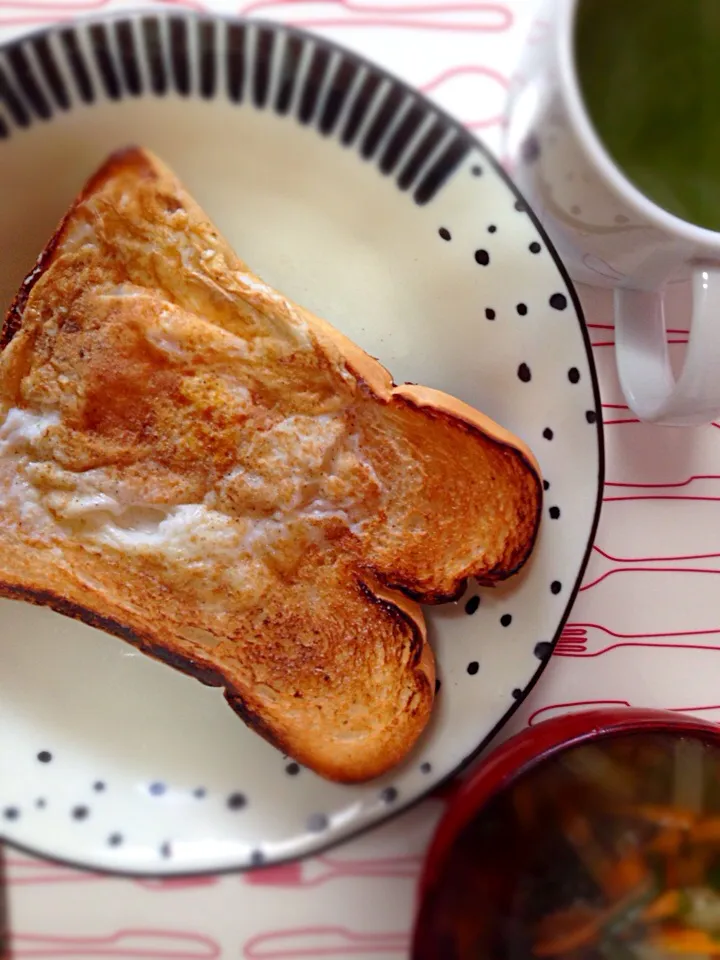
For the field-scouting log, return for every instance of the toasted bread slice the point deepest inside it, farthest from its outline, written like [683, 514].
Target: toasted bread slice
[192, 462]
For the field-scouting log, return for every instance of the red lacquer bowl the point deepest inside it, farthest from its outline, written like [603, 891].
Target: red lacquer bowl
[506, 765]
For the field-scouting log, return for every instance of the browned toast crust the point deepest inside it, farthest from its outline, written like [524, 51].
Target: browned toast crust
[171, 386]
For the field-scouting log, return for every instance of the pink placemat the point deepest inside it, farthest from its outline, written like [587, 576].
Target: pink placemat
[645, 630]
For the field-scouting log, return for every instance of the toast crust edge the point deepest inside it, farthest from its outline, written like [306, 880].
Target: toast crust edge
[12, 321]
[423, 665]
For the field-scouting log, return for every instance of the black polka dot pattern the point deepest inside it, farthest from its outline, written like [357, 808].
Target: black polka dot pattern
[476, 171]
[574, 375]
[257, 858]
[546, 484]
[425, 767]
[543, 650]
[492, 228]
[530, 149]
[548, 434]
[482, 257]
[534, 247]
[41, 803]
[517, 693]
[317, 822]
[11, 813]
[524, 373]
[489, 313]
[558, 301]
[44, 756]
[506, 619]
[438, 684]
[521, 309]
[445, 233]
[199, 793]
[80, 812]
[472, 605]
[166, 850]
[389, 795]
[591, 416]
[520, 206]
[115, 839]
[555, 587]
[99, 786]
[236, 801]
[473, 667]
[554, 513]
[292, 769]
[157, 789]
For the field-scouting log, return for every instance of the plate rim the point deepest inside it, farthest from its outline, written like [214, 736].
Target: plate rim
[474, 142]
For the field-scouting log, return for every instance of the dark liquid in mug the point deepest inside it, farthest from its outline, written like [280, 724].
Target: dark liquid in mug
[649, 73]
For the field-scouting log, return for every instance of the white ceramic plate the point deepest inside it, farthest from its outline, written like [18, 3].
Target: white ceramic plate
[356, 197]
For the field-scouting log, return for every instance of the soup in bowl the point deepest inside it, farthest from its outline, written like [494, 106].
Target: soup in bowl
[594, 836]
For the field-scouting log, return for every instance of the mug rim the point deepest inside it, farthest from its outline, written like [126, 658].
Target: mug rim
[593, 145]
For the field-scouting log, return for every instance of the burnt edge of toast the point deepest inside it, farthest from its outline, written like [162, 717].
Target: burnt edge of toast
[12, 322]
[184, 664]
[485, 578]
[257, 723]
[68, 608]
[190, 667]
[417, 640]
[187, 665]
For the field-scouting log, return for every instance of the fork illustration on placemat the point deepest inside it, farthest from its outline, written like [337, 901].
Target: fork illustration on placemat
[709, 712]
[593, 640]
[333, 943]
[313, 873]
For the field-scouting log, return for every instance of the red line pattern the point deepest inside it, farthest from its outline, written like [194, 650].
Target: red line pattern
[447, 76]
[36, 12]
[611, 343]
[324, 869]
[678, 559]
[659, 496]
[635, 570]
[664, 486]
[594, 640]
[544, 713]
[458, 17]
[332, 942]
[143, 944]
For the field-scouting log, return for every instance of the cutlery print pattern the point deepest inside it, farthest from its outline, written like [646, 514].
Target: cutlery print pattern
[145, 944]
[332, 943]
[644, 631]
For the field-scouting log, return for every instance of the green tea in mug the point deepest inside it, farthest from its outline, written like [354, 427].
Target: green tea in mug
[649, 73]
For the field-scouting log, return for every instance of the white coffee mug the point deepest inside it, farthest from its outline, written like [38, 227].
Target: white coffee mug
[610, 234]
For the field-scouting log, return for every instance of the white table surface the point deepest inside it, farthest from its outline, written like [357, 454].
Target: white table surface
[644, 631]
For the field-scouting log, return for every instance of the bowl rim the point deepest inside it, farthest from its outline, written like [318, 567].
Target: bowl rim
[530, 748]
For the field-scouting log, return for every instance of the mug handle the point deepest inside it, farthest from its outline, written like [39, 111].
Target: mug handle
[643, 360]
